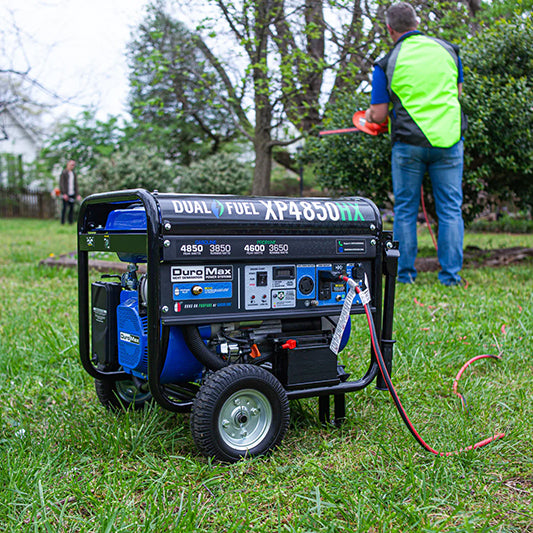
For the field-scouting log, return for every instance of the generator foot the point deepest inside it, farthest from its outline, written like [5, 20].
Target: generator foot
[323, 409]
[324, 413]
[340, 409]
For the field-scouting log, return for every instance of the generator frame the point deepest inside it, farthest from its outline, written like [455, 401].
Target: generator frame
[151, 244]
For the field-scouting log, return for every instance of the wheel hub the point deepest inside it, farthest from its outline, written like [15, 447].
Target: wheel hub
[244, 419]
[128, 392]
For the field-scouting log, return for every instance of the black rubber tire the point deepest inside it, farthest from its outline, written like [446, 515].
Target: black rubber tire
[246, 398]
[121, 395]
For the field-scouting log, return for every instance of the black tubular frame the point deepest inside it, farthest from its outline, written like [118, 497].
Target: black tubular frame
[156, 354]
[151, 242]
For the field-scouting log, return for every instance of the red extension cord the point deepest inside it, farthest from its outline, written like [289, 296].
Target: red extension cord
[427, 218]
[394, 395]
[465, 366]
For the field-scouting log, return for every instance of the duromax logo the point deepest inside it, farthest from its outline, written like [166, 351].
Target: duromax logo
[129, 337]
[217, 208]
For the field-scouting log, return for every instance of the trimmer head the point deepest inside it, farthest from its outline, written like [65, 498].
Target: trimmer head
[360, 122]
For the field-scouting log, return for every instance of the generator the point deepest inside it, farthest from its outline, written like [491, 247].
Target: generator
[228, 307]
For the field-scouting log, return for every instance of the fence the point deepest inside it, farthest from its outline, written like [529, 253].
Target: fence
[27, 203]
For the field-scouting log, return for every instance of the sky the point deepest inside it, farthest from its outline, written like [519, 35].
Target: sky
[74, 48]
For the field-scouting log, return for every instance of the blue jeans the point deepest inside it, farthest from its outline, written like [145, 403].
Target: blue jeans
[445, 168]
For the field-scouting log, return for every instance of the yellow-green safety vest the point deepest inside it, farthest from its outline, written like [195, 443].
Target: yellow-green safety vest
[422, 77]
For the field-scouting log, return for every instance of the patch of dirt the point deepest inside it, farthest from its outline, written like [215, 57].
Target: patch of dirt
[475, 257]
[70, 261]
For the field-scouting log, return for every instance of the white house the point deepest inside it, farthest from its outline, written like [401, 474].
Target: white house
[15, 137]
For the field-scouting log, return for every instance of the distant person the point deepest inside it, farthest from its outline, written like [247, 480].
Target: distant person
[68, 188]
[418, 84]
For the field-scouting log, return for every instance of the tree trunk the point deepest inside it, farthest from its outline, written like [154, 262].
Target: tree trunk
[263, 107]
[263, 152]
[262, 169]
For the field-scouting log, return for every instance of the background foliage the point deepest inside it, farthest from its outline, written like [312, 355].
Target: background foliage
[353, 163]
[114, 156]
[188, 101]
[218, 174]
[498, 101]
[85, 139]
[176, 97]
[130, 168]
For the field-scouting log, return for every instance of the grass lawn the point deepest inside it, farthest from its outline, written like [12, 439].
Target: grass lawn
[67, 465]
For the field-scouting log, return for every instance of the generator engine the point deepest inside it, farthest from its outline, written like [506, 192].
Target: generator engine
[227, 307]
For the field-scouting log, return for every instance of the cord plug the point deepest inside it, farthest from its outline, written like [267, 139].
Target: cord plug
[328, 275]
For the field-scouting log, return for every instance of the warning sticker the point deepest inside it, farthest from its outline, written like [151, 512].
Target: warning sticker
[283, 298]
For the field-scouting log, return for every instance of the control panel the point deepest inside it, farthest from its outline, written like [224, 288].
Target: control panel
[248, 283]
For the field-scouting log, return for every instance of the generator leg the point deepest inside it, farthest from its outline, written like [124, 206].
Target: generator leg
[323, 409]
[340, 409]
[386, 350]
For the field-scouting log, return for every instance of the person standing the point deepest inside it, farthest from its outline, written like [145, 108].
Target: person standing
[68, 188]
[418, 84]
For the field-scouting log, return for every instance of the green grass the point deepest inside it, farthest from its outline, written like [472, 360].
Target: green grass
[67, 465]
[507, 223]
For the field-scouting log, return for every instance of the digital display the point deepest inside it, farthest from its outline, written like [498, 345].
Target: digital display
[283, 272]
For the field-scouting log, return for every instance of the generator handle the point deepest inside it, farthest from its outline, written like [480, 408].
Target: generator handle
[83, 285]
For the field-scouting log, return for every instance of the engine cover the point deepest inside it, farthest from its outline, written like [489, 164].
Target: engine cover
[132, 334]
[180, 365]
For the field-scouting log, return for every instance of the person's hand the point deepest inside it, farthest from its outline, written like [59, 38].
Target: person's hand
[65, 197]
[78, 198]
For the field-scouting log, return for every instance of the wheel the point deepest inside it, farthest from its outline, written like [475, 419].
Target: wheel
[121, 395]
[240, 410]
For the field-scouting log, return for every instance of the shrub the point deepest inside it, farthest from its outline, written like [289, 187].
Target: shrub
[504, 224]
[129, 168]
[218, 174]
[350, 163]
[498, 101]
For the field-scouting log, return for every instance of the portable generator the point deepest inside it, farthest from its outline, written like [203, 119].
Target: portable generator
[228, 307]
